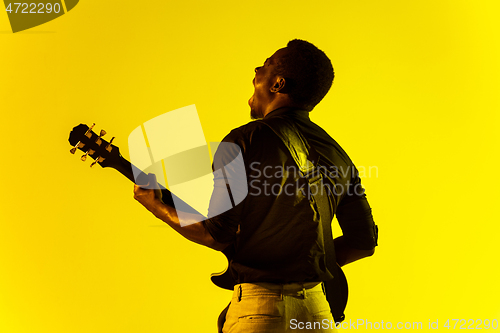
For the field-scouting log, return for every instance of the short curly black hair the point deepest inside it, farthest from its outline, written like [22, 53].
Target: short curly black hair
[308, 73]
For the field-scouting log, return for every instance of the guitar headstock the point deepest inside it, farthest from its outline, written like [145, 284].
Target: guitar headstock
[104, 153]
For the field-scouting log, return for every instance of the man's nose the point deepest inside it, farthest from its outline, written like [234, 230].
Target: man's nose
[257, 68]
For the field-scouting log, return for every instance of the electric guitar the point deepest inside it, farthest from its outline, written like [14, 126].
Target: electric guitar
[108, 155]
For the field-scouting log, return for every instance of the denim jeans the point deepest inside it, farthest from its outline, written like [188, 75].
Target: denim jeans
[273, 308]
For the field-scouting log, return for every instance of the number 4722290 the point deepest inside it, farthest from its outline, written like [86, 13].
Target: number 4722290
[33, 8]
[471, 324]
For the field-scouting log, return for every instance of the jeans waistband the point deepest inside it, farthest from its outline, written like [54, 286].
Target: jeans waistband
[272, 289]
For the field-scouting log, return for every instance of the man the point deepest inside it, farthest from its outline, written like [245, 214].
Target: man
[278, 251]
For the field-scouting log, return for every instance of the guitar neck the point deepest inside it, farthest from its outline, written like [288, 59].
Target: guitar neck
[129, 170]
[107, 155]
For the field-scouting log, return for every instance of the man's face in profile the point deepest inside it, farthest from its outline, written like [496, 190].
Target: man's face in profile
[265, 78]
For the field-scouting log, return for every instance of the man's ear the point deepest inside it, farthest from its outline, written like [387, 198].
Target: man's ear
[279, 85]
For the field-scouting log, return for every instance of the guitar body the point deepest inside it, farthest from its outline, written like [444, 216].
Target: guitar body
[107, 155]
[224, 279]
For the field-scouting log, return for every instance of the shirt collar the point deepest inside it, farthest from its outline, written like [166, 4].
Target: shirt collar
[289, 111]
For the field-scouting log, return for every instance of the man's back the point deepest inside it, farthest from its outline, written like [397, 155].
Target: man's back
[275, 228]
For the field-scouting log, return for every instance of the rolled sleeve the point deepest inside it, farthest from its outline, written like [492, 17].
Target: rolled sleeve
[230, 190]
[356, 221]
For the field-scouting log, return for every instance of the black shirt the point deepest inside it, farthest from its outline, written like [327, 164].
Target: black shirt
[274, 226]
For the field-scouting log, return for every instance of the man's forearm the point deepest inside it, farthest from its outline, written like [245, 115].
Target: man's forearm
[192, 230]
[345, 254]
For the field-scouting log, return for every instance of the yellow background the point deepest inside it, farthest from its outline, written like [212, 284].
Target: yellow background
[416, 95]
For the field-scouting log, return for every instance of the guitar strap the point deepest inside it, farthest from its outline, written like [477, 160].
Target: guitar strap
[307, 159]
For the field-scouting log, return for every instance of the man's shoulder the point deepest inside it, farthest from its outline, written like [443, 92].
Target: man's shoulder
[249, 133]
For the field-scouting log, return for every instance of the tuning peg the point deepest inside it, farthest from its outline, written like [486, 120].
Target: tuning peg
[108, 147]
[99, 159]
[78, 145]
[98, 141]
[89, 152]
[88, 134]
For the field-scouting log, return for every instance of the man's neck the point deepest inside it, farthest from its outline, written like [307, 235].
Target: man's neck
[282, 110]
[279, 103]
